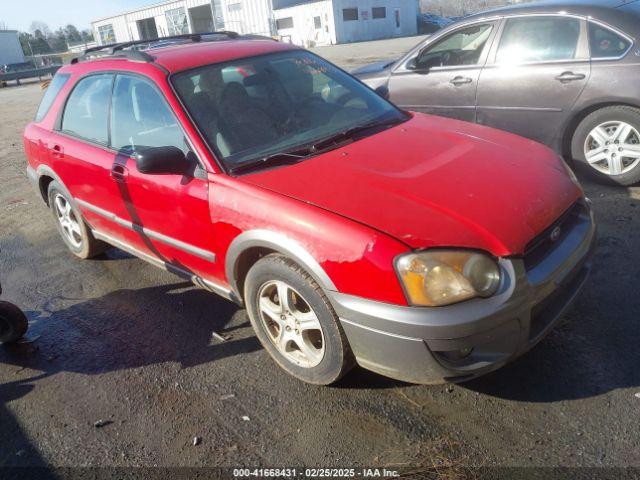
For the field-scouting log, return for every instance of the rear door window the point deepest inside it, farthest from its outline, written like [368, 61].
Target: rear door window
[51, 94]
[539, 39]
[86, 114]
[605, 43]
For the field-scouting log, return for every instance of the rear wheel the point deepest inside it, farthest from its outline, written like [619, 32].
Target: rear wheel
[71, 226]
[295, 322]
[13, 323]
[607, 142]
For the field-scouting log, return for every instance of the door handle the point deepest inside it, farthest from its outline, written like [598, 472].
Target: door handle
[119, 173]
[56, 150]
[460, 81]
[567, 77]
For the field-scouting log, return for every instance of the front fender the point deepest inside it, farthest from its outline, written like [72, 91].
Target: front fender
[279, 243]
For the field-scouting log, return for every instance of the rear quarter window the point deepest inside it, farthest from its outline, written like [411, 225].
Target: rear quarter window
[51, 94]
[605, 43]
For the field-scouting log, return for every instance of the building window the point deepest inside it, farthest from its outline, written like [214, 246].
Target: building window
[106, 35]
[317, 23]
[379, 12]
[235, 7]
[177, 21]
[349, 14]
[284, 23]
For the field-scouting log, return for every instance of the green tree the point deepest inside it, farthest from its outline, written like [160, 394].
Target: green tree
[87, 35]
[58, 41]
[72, 34]
[39, 43]
[26, 40]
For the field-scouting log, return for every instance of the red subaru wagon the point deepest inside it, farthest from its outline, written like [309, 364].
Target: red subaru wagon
[422, 248]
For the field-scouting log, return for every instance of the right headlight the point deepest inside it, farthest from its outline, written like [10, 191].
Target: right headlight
[436, 278]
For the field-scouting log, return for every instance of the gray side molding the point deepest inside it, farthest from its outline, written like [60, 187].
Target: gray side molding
[279, 243]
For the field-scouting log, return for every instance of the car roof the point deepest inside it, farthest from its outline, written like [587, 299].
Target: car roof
[570, 6]
[192, 55]
[623, 14]
[188, 55]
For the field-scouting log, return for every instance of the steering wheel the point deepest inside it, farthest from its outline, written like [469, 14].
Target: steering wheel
[311, 100]
[346, 97]
[445, 58]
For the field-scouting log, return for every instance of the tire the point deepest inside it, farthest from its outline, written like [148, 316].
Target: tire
[81, 242]
[13, 323]
[609, 118]
[332, 357]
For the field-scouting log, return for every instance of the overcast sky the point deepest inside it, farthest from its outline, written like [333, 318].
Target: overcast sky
[18, 14]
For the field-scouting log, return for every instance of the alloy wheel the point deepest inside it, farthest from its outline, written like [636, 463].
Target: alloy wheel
[68, 221]
[613, 148]
[291, 324]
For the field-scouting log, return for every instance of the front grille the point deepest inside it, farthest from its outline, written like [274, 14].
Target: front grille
[541, 246]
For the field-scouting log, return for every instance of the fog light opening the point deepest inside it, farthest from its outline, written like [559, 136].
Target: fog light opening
[456, 355]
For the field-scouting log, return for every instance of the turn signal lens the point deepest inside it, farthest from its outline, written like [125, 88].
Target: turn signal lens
[442, 277]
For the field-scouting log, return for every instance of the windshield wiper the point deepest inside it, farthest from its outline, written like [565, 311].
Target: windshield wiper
[296, 155]
[349, 133]
[275, 159]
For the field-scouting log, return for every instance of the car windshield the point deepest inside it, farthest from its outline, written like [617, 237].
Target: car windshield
[259, 108]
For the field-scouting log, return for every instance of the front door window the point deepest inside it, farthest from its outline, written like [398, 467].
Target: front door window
[461, 48]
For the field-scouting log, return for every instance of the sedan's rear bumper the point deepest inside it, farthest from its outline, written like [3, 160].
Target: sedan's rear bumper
[431, 345]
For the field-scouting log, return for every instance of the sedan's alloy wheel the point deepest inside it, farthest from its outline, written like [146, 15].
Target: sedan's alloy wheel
[613, 148]
[68, 220]
[291, 324]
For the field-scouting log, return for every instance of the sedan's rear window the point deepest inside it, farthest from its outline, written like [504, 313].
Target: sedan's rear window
[50, 95]
[605, 43]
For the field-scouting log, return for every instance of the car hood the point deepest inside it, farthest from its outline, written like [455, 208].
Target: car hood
[434, 182]
[374, 67]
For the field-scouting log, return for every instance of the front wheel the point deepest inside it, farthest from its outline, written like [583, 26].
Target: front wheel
[608, 142]
[295, 322]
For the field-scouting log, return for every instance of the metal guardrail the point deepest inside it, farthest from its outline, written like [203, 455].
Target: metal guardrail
[24, 74]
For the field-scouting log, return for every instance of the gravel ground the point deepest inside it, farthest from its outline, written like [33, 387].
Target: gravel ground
[117, 342]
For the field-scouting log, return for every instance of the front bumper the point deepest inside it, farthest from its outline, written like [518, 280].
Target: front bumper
[422, 345]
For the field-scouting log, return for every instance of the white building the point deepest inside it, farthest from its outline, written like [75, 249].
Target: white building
[307, 23]
[155, 21]
[327, 22]
[10, 48]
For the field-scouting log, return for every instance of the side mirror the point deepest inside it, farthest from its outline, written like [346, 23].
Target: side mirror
[423, 64]
[161, 160]
[383, 91]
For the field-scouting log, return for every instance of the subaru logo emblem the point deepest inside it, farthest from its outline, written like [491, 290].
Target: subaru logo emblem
[555, 234]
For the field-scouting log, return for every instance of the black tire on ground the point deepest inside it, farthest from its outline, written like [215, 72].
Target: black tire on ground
[620, 113]
[337, 359]
[13, 323]
[89, 247]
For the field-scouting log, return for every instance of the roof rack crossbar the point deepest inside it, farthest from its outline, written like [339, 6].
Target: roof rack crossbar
[120, 49]
[194, 37]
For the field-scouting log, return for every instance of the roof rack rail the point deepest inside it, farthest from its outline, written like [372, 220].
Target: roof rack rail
[128, 50]
[133, 55]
